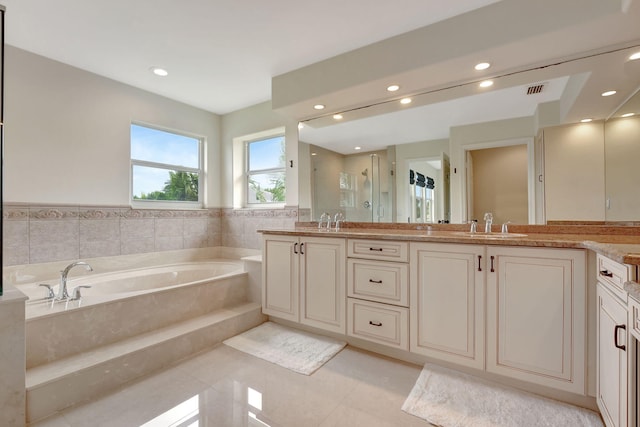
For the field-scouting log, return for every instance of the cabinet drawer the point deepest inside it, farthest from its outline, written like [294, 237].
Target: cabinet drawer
[634, 317]
[379, 323]
[387, 250]
[614, 275]
[378, 281]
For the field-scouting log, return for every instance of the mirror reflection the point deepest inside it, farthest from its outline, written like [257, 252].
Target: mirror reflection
[521, 149]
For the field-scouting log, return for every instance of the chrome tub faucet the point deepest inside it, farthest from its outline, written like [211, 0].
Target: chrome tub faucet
[63, 293]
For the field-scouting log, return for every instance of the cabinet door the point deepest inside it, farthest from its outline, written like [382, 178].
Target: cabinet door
[323, 283]
[280, 276]
[536, 315]
[612, 380]
[447, 297]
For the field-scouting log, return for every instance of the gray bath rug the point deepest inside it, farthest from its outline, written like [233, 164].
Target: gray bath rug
[449, 398]
[298, 351]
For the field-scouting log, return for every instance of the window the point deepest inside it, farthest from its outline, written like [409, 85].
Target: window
[265, 170]
[166, 168]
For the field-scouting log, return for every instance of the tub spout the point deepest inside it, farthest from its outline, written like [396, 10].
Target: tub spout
[63, 294]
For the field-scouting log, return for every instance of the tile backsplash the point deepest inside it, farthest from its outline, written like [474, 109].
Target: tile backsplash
[35, 234]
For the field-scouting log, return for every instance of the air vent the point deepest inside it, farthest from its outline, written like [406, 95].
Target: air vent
[533, 89]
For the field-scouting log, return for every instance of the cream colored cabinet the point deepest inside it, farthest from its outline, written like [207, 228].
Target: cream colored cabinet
[616, 323]
[378, 288]
[536, 315]
[304, 280]
[447, 302]
[611, 383]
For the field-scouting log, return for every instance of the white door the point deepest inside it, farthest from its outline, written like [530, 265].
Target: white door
[447, 300]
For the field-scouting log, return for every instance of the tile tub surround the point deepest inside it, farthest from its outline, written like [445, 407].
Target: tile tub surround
[35, 234]
[12, 357]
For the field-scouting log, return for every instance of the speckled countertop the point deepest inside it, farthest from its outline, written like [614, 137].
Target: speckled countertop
[620, 243]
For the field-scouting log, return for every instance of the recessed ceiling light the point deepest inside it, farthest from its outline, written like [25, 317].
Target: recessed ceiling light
[486, 83]
[635, 56]
[482, 66]
[628, 115]
[314, 154]
[609, 93]
[405, 101]
[393, 88]
[159, 71]
[337, 116]
[357, 148]
[586, 120]
[319, 107]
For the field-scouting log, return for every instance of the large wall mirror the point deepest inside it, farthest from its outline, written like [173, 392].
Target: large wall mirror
[518, 149]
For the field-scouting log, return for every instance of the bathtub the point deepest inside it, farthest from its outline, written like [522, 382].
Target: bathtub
[129, 296]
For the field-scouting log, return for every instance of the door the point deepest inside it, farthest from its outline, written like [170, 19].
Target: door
[323, 283]
[280, 273]
[447, 300]
[536, 315]
[611, 384]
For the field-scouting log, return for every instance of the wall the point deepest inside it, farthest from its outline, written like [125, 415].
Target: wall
[574, 172]
[67, 133]
[67, 166]
[622, 173]
[500, 184]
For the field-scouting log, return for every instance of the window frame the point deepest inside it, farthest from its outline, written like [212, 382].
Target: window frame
[249, 172]
[200, 170]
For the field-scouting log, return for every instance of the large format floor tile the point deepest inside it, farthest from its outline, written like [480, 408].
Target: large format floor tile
[227, 388]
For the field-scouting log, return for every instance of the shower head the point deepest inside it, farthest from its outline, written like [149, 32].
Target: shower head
[365, 172]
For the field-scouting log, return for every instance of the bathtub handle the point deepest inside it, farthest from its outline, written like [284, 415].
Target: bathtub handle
[50, 293]
[75, 295]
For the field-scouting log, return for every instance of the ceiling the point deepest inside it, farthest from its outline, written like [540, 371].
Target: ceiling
[225, 56]
[220, 55]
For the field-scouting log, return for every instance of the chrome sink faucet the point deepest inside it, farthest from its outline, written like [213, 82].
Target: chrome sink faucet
[63, 293]
[338, 219]
[488, 220]
[325, 217]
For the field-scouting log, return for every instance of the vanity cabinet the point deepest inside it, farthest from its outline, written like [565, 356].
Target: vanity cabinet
[304, 280]
[377, 290]
[536, 315]
[611, 383]
[447, 302]
[616, 323]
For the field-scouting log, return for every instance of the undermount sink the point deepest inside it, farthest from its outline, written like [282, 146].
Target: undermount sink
[490, 235]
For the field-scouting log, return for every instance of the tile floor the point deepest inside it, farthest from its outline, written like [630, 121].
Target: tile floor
[227, 388]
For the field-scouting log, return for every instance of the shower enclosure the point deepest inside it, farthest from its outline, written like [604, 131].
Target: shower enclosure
[358, 185]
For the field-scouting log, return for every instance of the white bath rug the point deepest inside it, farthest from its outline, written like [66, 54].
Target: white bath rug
[298, 351]
[448, 398]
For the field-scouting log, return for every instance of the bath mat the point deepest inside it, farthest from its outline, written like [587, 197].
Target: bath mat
[448, 398]
[299, 351]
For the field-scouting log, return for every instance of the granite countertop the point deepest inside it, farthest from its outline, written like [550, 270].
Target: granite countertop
[622, 244]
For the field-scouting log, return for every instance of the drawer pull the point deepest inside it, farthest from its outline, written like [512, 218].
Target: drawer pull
[376, 249]
[606, 273]
[295, 248]
[492, 269]
[479, 262]
[375, 281]
[615, 336]
[372, 323]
